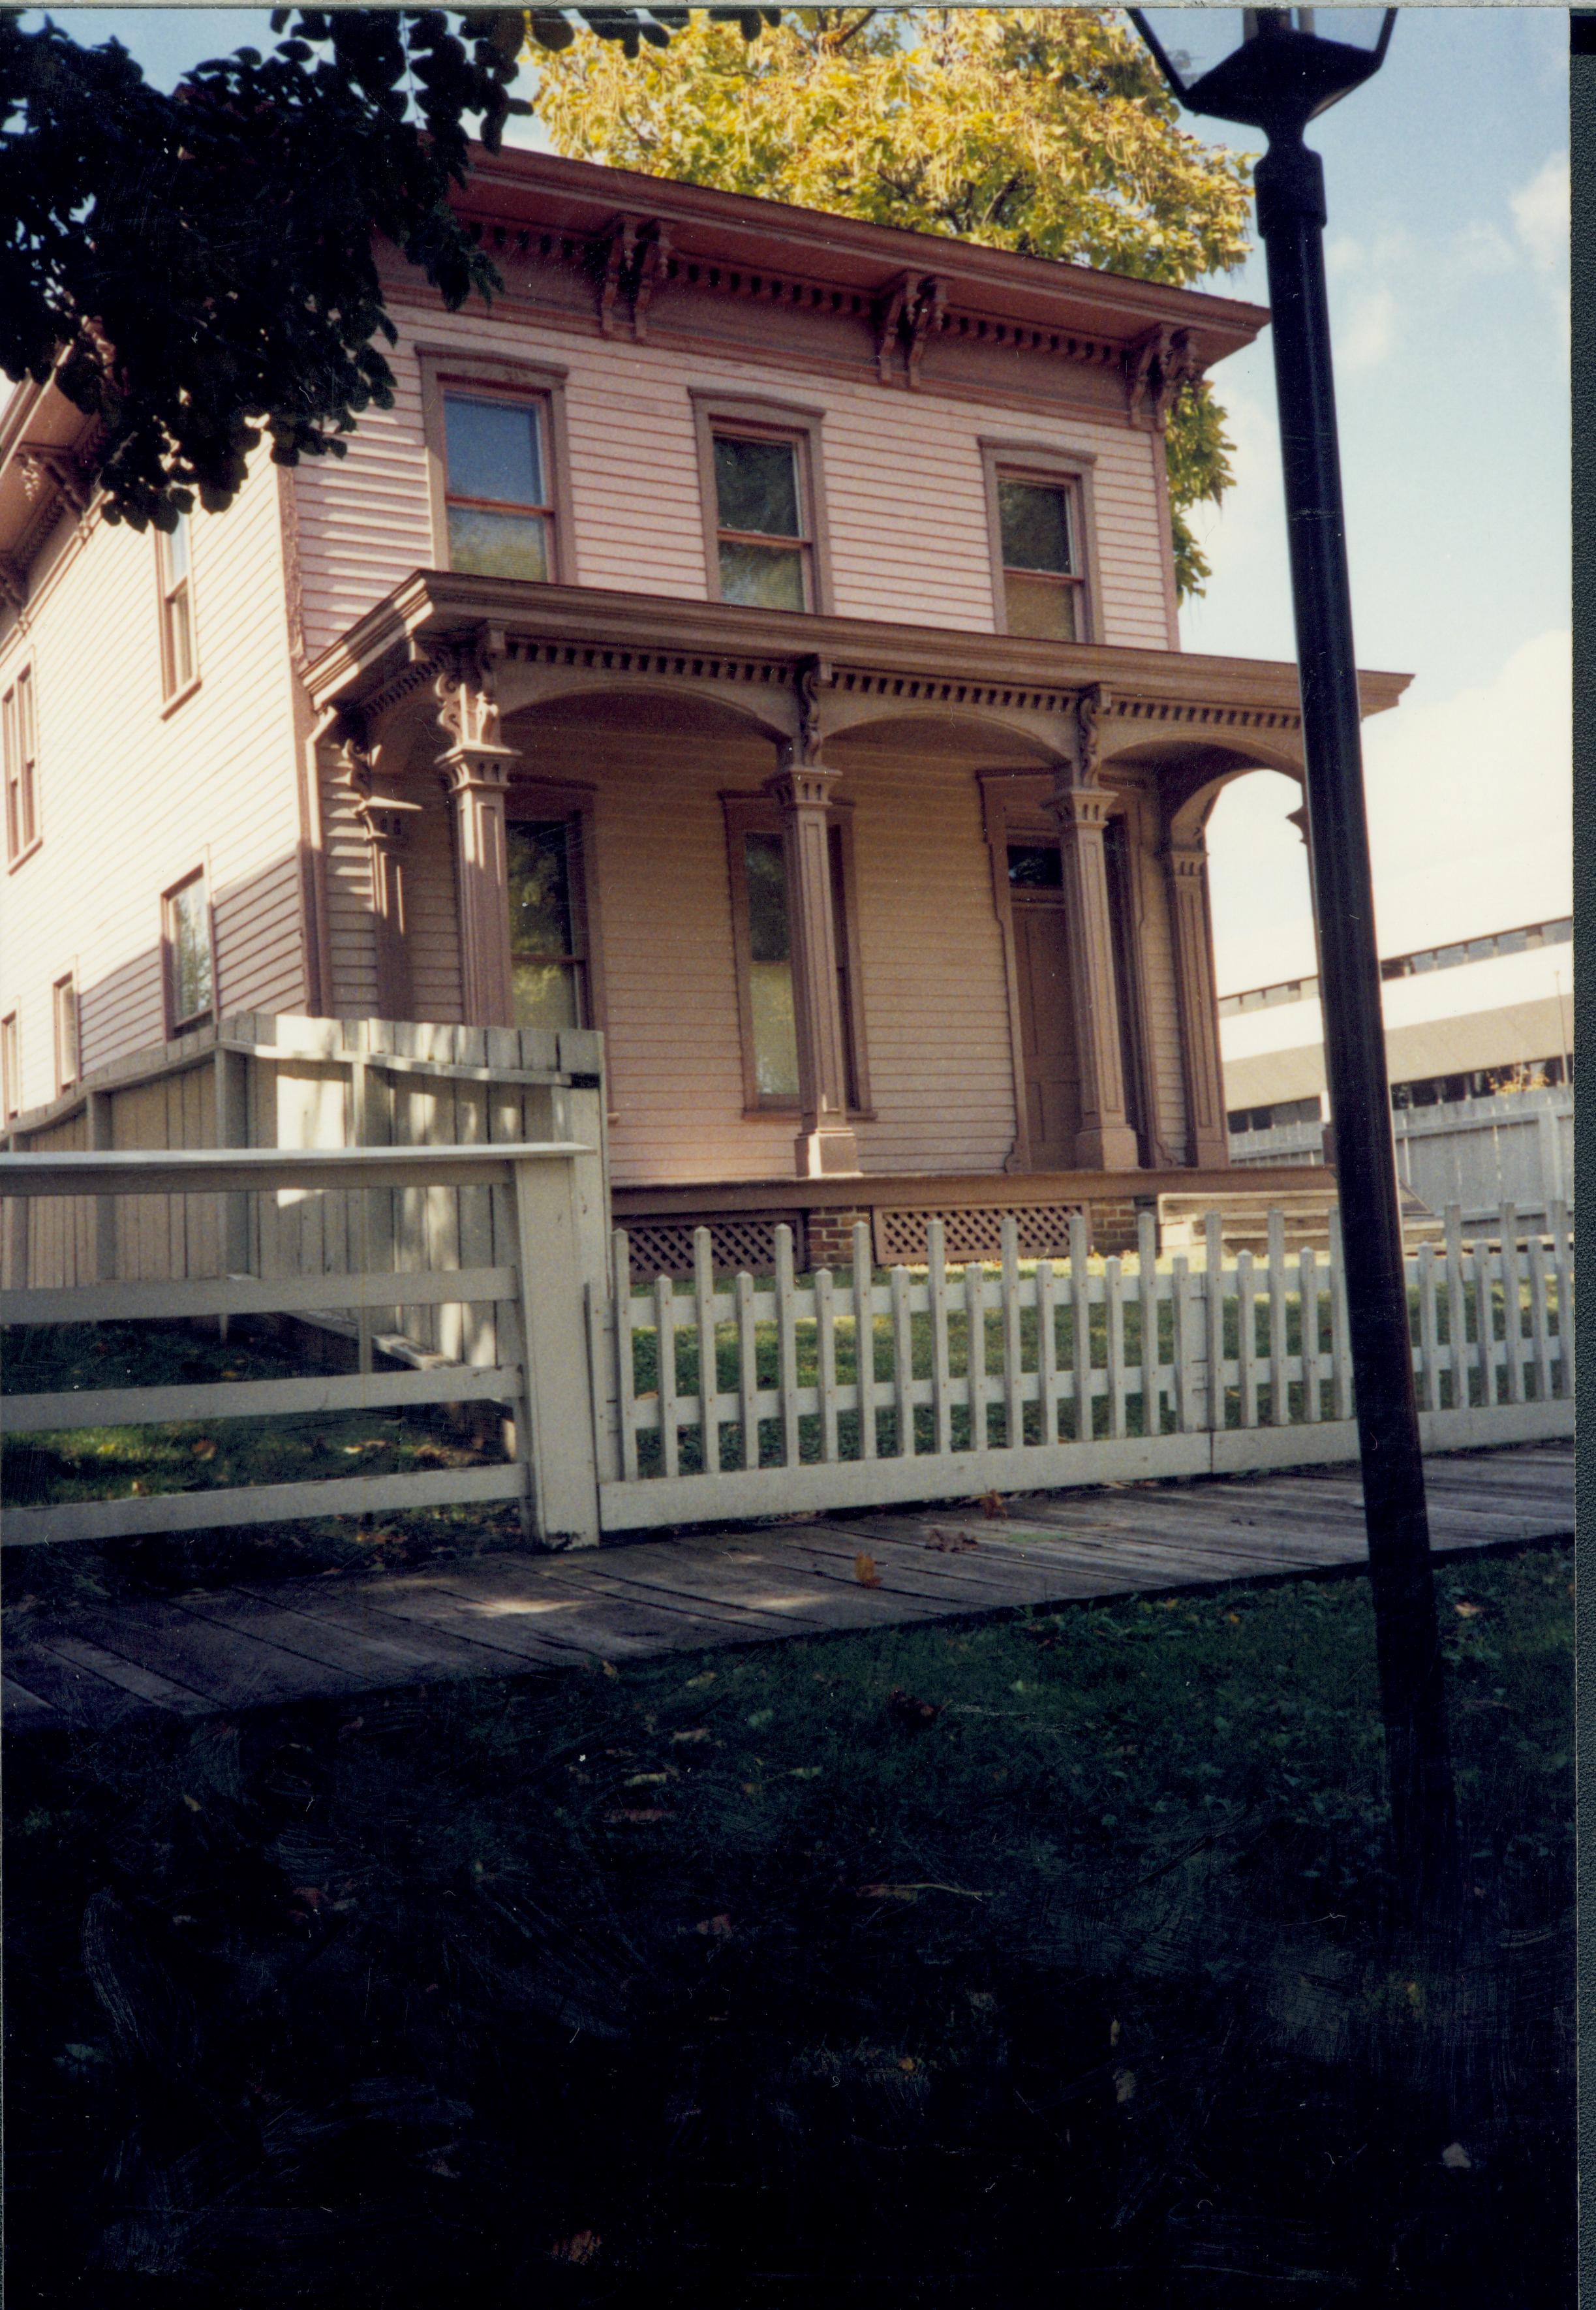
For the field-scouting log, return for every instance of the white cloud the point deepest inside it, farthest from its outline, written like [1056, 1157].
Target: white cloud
[1369, 332]
[1540, 216]
[1481, 247]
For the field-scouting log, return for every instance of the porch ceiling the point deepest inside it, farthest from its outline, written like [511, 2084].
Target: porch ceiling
[545, 640]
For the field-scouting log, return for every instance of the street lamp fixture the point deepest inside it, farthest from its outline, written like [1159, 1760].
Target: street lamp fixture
[1274, 69]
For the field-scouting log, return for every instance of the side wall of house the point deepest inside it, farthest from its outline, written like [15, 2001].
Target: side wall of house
[133, 795]
[904, 496]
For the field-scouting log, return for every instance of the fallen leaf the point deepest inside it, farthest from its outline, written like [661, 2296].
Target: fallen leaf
[759, 1719]
[907, 1710]
[864, 1571]
[1455, 2156]
[704, 1676]
[637, 1814]
[1114, 2033]
[581, 2247]
[690, 1737]
[993, 1504]
[136, 1486]
[1466, 1611]
[714, 1929]
[907, 2064]
[806, 1772]
[608, 1668]
[1234, 1618]
[353, 1726]
[1124, 2084]
[192, 1803]
[643, 1780]
[203, 1448]
[951, 1543]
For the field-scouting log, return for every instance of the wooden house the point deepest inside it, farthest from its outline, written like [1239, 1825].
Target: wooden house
[755, 637]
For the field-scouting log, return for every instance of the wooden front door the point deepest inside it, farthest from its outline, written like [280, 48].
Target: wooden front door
[1051, 1089]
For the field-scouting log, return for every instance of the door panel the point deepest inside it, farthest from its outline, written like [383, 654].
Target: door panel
[1046, 1030]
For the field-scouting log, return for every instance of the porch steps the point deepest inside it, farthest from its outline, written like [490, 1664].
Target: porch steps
[1245, 1215]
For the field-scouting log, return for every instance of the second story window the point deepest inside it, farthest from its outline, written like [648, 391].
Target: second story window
[173, 553]
[1043, 572]
[500, 504]
[190, 971]
[764, 551]
[18, 734]
[63, 1006]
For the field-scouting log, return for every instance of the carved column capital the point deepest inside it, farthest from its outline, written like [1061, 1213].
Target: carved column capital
[484, 769]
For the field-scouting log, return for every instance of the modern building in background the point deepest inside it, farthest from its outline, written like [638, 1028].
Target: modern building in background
[1479, 1048]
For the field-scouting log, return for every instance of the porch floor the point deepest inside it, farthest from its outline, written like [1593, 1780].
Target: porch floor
[261, 1645]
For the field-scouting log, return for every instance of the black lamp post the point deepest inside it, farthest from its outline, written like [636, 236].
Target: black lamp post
[1270, 68]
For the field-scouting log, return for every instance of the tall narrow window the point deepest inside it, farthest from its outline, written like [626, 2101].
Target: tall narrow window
[11, 1065]
[497, 492]
[1044, 573]
[763, 533]
[18, 733]
[548, 941]
[761, 918]
[63, 1004]
[189, 967]
[775, 1032]
[174, 553]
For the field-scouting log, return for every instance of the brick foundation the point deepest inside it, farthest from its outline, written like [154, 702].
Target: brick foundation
[830, 1237]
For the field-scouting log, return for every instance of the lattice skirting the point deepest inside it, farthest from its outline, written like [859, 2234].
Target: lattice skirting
[975, 1233]
[748, 1242]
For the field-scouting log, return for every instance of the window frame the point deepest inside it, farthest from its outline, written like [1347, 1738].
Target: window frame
[172, 691]
[761, 813]
[537, 801]
[495, 378]
[1051, 467]
[64, 991]
[177, 1022]
[757, 419]
[18, 721]
[10, 1067]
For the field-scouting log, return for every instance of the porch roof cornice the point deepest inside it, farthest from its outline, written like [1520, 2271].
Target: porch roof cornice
[650, 636]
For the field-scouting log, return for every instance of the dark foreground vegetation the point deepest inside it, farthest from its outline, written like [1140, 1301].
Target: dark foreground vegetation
[1040, 1962]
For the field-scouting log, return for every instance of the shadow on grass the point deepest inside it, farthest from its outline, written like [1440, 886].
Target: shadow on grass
[1043, 1959]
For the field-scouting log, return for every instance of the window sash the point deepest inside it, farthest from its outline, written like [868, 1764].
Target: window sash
[19, 745]
[532, 517]
[776, 545]
[190, 965]
[66, 1007]
[550, 982]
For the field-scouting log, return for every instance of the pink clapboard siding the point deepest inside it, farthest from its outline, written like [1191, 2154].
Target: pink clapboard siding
[133, 797]
[905, 497]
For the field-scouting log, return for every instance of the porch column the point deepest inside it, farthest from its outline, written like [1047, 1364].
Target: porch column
[1105, 1140]
[385, 821]
[828, 1143]
[477, 779]
[1208, 1141]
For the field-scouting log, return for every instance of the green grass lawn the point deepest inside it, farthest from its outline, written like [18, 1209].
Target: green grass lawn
[1040, 1960]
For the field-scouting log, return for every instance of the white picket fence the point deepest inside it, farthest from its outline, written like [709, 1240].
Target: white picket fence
[536, 1263]
[1023, 1380]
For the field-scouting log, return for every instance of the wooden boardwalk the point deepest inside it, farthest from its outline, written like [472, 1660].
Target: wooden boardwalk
[261, 1644]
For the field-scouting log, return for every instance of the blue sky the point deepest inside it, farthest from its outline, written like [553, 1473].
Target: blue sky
[1448, 249]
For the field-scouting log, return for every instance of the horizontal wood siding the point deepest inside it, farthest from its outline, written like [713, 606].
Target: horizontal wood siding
[904, 491]
[133, 799]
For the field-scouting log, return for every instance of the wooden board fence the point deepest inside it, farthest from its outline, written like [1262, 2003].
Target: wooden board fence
[744, 1398]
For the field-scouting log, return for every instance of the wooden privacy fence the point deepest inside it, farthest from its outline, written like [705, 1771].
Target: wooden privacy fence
[751, 1399]
[529, 1282]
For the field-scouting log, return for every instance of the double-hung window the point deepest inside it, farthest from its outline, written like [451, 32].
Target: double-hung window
[550, 956]
[179, 665]
[498, 484]
[764, 520]
[63, 1007]
[761, 920]
[190, 970]
[19, 738]
[1039, 508]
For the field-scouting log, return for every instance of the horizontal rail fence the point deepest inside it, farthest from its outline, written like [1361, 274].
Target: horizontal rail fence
[527, 1277]
[260, 1080]
[731, 1397]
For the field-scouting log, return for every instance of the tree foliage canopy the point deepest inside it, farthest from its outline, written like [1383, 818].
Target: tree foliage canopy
[197, 268]
[1051, 133]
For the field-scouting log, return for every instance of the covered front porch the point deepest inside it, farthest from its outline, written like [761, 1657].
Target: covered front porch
[876, 920]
